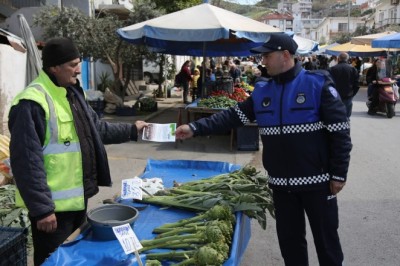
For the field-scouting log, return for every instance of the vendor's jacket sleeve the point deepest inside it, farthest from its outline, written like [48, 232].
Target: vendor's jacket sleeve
[224, 120]
[27, 128]
[114, 133]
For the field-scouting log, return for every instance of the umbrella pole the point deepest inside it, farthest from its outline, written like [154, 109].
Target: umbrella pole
[203, 73]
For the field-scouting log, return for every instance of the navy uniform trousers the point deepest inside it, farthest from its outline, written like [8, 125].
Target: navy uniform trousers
[322, 212]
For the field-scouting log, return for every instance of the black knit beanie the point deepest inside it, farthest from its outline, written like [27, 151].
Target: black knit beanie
[58, 51]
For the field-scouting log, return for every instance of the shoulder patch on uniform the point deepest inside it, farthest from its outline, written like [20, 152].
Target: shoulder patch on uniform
[333, 91]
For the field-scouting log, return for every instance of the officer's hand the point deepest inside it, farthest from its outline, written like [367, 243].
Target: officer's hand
[47, 224]
[336, 186]
[140, 125]
[183, 132]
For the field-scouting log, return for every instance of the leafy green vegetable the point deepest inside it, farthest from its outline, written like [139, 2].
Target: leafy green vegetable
[243, 190]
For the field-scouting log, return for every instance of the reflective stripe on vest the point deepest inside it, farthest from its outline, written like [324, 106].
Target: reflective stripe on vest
[65, 194]
[53, 147]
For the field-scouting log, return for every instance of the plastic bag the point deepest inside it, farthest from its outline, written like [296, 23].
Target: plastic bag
[396, 90]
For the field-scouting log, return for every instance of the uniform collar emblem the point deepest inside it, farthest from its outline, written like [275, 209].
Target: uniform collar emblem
[266, 102]
[301, 98]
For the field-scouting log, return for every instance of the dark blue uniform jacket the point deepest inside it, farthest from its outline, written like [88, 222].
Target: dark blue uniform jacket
[303, 127]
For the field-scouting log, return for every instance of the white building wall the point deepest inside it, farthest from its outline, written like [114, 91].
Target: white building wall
[12, 80]
[330, 26]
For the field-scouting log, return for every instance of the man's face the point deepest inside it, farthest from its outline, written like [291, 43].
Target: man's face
[274, 62]
[67, 73]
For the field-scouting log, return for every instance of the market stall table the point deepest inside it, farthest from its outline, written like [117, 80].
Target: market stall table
[86, 250]
[193, 109]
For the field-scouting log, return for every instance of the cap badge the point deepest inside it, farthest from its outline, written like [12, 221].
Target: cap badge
[301, 98]
[279, 47]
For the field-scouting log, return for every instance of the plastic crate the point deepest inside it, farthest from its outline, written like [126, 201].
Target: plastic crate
[13, 246]
[147, 108]
[247, 138]
[98, 107]
[125, 111]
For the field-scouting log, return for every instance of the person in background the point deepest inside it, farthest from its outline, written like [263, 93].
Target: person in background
[371, 78]
[333, 61]
[210, 75]
[345, 77]
[193, 85]
[363, 69]
[186, 77]
[263, 71]
[57, 148]
[218, 72]
[235, 72]
[323, 62]
[306, 138]
[310, 63]
[212, 64]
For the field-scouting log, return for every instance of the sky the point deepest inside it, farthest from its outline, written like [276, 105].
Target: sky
[245, 2]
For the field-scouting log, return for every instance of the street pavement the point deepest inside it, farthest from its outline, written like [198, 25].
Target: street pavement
[369, 205]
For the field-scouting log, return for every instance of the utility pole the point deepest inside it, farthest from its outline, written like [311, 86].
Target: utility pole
[348, 17]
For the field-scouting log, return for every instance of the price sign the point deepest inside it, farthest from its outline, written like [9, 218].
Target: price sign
[127, 238]
[131, 188]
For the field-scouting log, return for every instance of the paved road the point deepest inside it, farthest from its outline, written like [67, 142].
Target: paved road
[369, 205]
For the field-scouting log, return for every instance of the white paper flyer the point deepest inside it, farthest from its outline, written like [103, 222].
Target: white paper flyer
[159, 132]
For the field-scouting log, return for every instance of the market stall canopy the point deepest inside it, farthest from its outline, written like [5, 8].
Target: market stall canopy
[367, 39]
[389, 41]
[202, 30]
[356, 50]
[306, 46]
[323, 48]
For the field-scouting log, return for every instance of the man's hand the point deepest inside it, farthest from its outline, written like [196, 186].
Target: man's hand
[183, 132]
[336, 186]
[140, 125]
[47, 224]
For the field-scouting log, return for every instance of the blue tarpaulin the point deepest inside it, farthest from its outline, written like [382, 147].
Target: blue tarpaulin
[86, 250]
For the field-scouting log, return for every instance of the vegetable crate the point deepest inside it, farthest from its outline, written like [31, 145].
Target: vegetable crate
[125, 111]
[247, 138]
[148, 107]
[13, 246]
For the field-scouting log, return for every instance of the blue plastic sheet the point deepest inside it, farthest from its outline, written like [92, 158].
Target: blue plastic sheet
[86, 250]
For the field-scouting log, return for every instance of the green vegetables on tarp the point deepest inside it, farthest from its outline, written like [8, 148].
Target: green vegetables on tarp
[243, 190]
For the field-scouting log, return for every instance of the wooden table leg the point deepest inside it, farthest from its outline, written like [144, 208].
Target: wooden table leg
[179, 122]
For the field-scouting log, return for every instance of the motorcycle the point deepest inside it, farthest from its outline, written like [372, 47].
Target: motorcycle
[387, 94]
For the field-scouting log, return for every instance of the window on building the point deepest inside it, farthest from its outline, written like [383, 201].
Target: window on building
[393, 16]
[342, 27]
[381, 16]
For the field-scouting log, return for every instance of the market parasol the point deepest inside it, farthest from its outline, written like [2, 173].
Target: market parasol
[323, 48]
[34, 63]
[305, 46]
[202, 30]
[356, 50]
[367, 39]
[389, 41]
